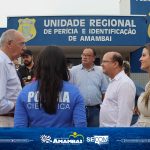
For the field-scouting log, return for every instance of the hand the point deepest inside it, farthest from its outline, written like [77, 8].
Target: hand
[136, 111]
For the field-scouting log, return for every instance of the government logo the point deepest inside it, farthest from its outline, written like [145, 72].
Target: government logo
[72, 139]
[27, 27]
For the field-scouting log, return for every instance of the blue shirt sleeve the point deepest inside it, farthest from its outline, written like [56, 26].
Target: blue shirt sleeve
[21, 117]
[79, 115]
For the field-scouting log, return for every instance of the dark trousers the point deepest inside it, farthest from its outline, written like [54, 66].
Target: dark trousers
[92, 115]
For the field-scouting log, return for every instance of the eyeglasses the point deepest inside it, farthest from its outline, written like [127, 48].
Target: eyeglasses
[84, 55]
[106, 61]
[22, 44]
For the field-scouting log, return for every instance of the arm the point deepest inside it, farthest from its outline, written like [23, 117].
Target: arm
[126, 96]
[104, 85]
[21, 117]
[79, 115]
[5, 104]
[71, 76]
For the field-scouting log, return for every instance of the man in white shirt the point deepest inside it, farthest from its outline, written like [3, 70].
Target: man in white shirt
[12, 44]
[118, 104]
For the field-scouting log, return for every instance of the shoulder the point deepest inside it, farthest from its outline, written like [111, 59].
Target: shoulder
[98, 69]
[75, 70]
[126, 81]
[71, 88]
[4, 66]
[72, 91]
[99, 72]
[78, 67]
[2, 59]
[2, 62]
[22, 68]
[30, 87]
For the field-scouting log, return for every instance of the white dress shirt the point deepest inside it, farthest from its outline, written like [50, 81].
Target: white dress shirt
[117, 107]
[9, 84]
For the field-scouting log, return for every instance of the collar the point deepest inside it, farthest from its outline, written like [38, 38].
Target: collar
[119, 75]
[5, 57]
[92, 68]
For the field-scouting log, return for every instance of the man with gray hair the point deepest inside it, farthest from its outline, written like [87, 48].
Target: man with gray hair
[12, 43]
[118, 104]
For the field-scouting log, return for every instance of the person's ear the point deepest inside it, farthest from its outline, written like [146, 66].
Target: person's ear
[116, 63]
[9, 42]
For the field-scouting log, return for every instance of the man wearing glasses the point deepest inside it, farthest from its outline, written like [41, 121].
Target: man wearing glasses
[92, 84]
[118, 104]
[12, 44]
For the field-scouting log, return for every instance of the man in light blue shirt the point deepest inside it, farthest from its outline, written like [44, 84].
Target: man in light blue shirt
[92, 84]
[12, 44]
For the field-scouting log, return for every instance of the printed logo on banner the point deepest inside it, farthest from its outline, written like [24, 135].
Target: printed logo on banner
[97, 139]
[46, 139]
[27, 27]
[148, 30]
[75, 135]
[74, 138]
[3, 22]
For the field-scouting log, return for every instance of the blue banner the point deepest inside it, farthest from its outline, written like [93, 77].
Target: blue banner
[140, 7]
[148, 29]
[134, 61]
[74, 138]
[82, 30]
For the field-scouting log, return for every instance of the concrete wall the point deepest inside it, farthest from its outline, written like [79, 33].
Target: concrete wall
[58, 7]
[124, 6]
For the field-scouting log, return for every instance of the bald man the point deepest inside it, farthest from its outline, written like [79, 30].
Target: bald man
[12, 44]
[118, 104]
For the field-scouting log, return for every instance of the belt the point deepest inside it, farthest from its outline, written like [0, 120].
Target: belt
[8, 115]
[95, 106]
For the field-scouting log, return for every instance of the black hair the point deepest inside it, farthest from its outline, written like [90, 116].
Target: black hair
[50, 71]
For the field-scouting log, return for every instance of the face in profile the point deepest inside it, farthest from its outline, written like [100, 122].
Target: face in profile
[107, 64]
[145, 60]
[18, 45]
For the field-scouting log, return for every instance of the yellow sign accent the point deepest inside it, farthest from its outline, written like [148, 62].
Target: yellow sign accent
[27, 27]
[148, 31]
[75, 135]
